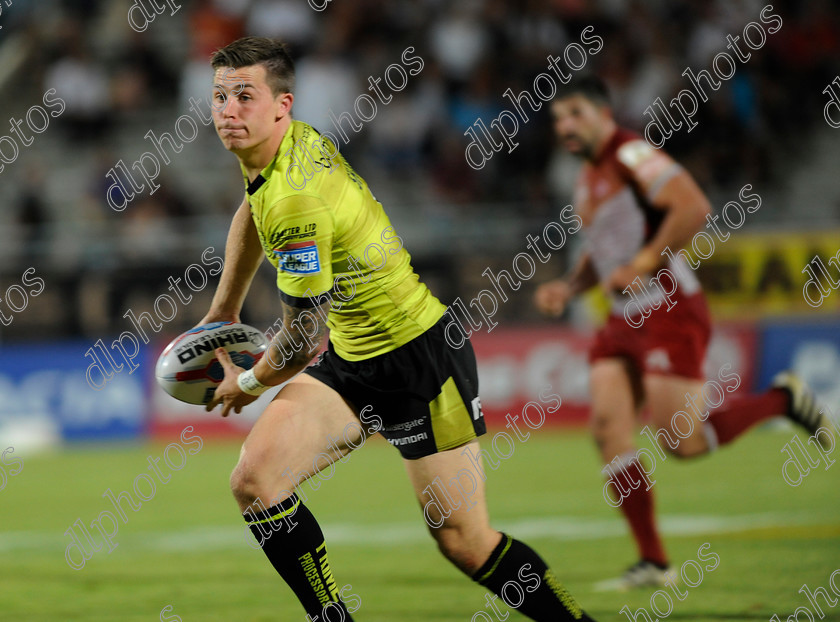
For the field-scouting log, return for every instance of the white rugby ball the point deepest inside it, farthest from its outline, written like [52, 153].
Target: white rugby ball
[188, 369]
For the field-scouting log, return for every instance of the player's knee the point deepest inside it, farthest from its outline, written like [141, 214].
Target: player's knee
[681, 444]
[601, 441]
[603, 428]
[599, 422]
[601, 436]
[244, 484]
[457, 547]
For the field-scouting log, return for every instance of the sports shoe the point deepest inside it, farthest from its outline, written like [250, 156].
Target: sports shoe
[640, 575]
[804, 408]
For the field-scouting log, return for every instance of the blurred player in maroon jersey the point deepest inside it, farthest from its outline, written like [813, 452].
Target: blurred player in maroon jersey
[635, 201]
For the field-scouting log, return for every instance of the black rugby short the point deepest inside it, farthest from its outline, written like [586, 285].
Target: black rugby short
[425, 392]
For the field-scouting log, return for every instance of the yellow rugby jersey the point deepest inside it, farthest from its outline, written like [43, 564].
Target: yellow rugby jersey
[331, 241]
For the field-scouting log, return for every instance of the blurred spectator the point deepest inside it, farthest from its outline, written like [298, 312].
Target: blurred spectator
[32, 216]
[453, 179]
[403, 127]
[754, 126]
[142, 77]
[459, 40]
[147, 234]
[83, 84]
[210, 28]
[81, 8]
[292, 21]
[478, 48]
[26, 235]
[327, 86]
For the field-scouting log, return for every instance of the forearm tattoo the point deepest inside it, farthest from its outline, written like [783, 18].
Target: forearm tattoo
[300, 334]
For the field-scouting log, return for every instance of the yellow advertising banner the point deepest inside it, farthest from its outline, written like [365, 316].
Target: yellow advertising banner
[755, 275]
[765, 274]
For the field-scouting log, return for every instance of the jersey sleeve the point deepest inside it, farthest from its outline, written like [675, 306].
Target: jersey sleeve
[649, 169]
[301, 230]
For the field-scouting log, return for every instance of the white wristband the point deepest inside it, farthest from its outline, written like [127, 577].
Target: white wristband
[249, 384]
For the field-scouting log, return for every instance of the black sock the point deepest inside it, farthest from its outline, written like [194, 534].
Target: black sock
[536, 592]
[293, 542]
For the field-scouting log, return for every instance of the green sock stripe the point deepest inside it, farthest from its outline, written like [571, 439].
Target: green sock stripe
[498, 559]
[291, 510]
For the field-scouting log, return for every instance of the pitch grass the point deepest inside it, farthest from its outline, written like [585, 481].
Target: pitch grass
[185, 547]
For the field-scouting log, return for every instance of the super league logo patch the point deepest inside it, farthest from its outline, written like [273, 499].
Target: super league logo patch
[298, 257]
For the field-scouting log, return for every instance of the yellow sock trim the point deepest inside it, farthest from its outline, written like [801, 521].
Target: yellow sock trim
[498, 559]
[279, 515]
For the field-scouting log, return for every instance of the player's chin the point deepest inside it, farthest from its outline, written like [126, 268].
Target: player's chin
[234, 144]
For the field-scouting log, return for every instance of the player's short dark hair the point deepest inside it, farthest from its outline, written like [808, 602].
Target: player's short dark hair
[270, 53]
[591, 87]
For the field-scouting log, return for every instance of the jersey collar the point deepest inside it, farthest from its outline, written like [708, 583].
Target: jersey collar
[255, 185]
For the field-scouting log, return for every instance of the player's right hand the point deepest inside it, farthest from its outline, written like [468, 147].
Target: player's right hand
[228, 393]
[551, 298]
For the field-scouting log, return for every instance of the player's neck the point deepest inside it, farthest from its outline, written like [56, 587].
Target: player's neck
[255, 159]
[606, 137]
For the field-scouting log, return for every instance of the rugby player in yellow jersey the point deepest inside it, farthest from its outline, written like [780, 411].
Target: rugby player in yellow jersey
[388, 367]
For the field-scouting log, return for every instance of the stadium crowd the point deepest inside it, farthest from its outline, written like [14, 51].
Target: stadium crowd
[118, 83]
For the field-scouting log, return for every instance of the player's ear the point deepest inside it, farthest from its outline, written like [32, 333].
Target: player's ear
[283, 105]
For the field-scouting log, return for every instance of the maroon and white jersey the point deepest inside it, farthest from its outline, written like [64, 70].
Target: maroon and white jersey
[614, 196]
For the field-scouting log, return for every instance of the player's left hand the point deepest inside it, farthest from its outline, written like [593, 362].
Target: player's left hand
[228, 393]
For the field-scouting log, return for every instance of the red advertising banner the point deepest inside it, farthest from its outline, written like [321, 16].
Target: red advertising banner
[518, 365]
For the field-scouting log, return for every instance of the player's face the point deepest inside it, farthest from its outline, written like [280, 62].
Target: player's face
[245, 111]
[580, 124]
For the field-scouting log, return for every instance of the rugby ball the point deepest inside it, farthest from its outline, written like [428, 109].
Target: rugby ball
[188, 369]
